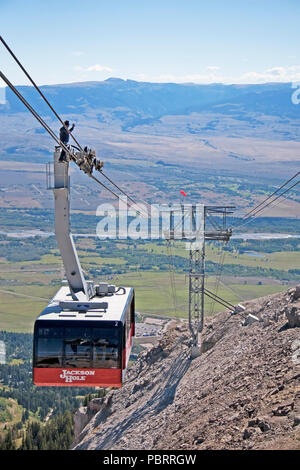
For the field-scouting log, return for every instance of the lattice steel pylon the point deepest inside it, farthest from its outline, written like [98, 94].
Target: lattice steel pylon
[212, 230]
[202, 227]
[196, 291]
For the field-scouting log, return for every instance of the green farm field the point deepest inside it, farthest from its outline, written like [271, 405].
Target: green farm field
[154, 296]
[277, 260]
[27, 286]
[21, 304]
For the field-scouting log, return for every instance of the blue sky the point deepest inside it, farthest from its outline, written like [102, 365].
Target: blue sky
[230, 41]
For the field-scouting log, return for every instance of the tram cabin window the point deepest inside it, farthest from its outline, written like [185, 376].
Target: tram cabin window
[82, 347]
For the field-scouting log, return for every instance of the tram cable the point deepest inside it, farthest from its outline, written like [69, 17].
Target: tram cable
[172, 275]
[280, 195]
[261, 207]
[247, 221]
[53, 135]
[271, 195]
[47, 128]
[34, 113]
[220, 266]
[61, 121]
[238, 296]
[125, 194]
[37, 88]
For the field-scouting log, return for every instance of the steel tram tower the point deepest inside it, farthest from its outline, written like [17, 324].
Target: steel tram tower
[204, 225]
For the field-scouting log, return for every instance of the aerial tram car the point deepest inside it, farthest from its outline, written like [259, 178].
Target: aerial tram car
[85, 334]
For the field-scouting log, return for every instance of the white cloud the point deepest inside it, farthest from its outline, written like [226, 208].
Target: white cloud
[141, 77]
[99, 68]
[77, 53]
[274, 74]
[93, 68]
[191, 78]
[212, 68]
[2, 94]
[213, 74]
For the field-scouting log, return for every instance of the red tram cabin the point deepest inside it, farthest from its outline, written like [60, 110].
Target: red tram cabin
[88, 347]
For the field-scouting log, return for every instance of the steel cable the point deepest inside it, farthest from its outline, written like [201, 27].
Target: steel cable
[172, 278]
[47, 128]
[59, 118]
[37, 89]
[262, 209]
[262, 206]
[271, 195]
[34, 113]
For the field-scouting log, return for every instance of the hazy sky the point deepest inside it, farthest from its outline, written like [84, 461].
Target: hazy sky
[231, 41]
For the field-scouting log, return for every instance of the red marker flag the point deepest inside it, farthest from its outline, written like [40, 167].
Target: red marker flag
[183, 193]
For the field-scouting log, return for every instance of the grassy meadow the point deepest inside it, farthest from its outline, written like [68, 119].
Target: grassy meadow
[25, 287]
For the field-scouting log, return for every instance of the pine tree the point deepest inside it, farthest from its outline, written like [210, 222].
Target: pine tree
[8, 443]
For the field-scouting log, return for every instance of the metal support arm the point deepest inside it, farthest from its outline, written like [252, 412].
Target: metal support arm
[64, 237]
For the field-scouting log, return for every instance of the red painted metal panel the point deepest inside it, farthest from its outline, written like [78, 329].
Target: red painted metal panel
[128, 347]
[77, 377]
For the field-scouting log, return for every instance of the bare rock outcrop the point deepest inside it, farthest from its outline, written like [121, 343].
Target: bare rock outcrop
[84, 414]
[242, 392]
[292, 310]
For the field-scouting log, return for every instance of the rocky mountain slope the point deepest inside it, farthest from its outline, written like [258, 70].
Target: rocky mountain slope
[243, 392]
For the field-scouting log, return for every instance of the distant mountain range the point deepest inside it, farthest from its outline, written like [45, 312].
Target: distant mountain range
[129, 100]
[154, 136]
